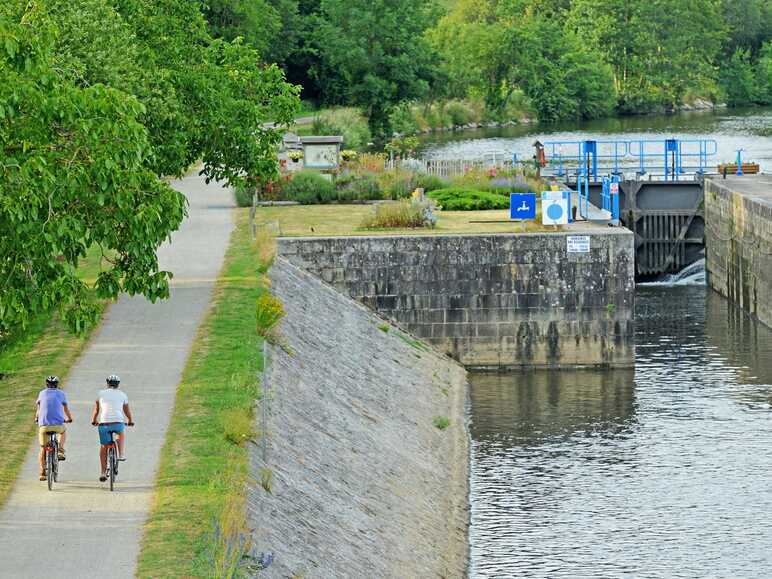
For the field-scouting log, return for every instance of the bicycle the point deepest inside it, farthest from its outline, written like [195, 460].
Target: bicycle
[51, 450]
[52, 459]
[112, 458]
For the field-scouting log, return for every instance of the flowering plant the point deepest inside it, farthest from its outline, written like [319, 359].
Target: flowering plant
[295, 155]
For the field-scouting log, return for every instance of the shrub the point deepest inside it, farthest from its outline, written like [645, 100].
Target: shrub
[401, 214]
[397, 183]
[243, 196]
[460, 199]
[430, 182]
[268, 311]
[309, 187]
[459, 113]
[403, 121]
[352, 187]
[347, 122]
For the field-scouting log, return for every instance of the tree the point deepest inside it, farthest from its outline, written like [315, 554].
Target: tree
[92, 116]
[656, 59]
[257, 22]
[74, 174]
[376, 52]
[738, 80]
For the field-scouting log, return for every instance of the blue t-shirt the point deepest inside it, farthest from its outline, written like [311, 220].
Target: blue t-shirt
[51, 411]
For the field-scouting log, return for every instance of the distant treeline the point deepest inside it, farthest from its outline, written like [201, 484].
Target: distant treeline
[570, 58]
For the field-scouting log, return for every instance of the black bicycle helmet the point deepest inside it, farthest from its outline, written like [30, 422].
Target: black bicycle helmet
[52, 381]
[113, 380]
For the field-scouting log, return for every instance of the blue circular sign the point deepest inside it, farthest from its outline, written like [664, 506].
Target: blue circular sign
[555, 211]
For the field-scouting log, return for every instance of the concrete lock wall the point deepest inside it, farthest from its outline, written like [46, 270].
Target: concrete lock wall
[738, 241]
[491, 301]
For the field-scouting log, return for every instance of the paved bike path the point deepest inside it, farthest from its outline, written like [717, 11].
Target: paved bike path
[81, 529]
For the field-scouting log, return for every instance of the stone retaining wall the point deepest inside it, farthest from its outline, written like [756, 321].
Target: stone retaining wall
[491, 301]
[738, 240]
[352, 478]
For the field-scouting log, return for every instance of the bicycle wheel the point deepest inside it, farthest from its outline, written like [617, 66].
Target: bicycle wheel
[111, 465]
[50, 467]
[55, 453]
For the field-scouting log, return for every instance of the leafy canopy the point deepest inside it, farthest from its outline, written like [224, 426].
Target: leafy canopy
[98, 100]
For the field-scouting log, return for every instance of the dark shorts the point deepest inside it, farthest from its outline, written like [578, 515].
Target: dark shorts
[106, 429]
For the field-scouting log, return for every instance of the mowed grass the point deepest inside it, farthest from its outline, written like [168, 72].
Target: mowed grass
[331, 220]
[200, 491]
[45, 347]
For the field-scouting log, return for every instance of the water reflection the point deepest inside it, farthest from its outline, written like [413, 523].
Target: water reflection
[663, 473]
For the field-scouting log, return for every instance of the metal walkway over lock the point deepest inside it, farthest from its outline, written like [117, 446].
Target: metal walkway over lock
[654, 188]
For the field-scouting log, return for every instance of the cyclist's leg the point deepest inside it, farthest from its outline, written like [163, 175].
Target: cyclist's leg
[120, 438]
[104, 438]
[42, 439]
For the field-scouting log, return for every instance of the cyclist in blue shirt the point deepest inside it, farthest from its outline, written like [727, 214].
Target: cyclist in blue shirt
[50, 411]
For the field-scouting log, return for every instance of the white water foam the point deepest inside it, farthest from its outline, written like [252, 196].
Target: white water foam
[692, 274]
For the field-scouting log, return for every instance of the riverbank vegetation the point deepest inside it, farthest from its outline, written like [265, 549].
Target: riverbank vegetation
[412, 66]
[197, 523]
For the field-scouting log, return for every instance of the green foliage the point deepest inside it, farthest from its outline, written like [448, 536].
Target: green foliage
[243, 195]
[238, 425]
[353, 187]
[459, 199]
[398, 184]
[739, 80]
[268, 313]
[441, 422]
[373, 54]
[308, 188]
[347, 122]
[404, 146]
[98, 100]
[256, 21]
[430, 182]
[403, 121]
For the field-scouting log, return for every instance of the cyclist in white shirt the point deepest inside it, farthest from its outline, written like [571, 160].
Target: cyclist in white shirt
[111, 414]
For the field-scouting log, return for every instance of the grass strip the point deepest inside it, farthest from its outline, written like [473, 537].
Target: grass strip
[197, 527]
[44, 347]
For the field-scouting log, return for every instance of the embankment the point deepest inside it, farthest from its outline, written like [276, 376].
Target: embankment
[353, 476]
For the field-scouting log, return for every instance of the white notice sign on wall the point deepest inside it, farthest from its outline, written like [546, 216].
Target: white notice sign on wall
[578, 244]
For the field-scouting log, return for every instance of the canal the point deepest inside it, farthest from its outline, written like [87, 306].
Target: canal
[748, 129]
[660, 471]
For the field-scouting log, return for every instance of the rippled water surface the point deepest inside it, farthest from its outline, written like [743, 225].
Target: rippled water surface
[732, 129]
[661, 472]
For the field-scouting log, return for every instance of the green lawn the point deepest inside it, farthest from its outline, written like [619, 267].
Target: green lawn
[45, 347]
[324, 220]
[202, 476]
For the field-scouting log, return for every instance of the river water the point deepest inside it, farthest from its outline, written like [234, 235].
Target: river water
[660, 471]
[748, 129]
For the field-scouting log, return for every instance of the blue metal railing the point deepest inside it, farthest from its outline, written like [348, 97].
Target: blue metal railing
[670, 158]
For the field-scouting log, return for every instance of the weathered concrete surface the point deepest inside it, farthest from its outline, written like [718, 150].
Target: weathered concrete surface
[738, 216]
[363, 484]
[491, 301]
[81, 529]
